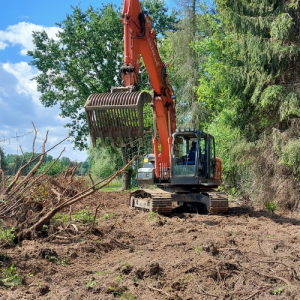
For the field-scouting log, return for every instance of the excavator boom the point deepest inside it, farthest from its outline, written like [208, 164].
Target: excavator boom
[120, 113]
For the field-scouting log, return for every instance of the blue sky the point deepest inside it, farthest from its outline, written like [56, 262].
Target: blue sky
[19, 99]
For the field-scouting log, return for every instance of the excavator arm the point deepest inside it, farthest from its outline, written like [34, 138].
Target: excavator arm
[119, 113]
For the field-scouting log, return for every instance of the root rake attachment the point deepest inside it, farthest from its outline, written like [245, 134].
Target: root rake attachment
[118, 114]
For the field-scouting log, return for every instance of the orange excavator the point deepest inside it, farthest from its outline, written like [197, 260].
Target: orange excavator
[186, 171]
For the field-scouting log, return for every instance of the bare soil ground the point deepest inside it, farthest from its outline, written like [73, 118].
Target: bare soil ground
[131, 254]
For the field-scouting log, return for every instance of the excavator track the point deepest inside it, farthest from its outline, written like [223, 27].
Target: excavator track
[160, 201]
[153, 200]
[218, 203]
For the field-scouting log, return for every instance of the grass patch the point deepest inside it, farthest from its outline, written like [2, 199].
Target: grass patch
[128, 296]
[10, 277]
[153, 216]
[197, 250]
[103, 273]
[90, 283]
[278, 291]
[8, 235]
[84, 216]
[114, 185]
[108, 216]
[61, 261]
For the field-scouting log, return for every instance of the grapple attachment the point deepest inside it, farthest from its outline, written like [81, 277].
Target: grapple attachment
[116, 114]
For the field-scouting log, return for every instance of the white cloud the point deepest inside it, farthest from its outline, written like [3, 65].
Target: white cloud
[3, 45]
[21, 34]
[20, 104]
[24, 73]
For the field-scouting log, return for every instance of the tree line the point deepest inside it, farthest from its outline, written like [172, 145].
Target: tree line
[10, 163]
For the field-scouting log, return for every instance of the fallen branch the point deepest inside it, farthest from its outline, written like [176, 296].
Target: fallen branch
[67, 202]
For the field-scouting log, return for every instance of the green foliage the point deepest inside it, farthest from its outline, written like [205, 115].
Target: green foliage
[128, 296]
[197, 250]
[12, 162]
[10, 278]
[119, 278]
[90, 283]
[105, 161]
[278, 291]
[3, 256]
[55, 169]
[60, 217]
[84, 216]
[153, 216]
[247, 66]
[102, 273]
[62, 261]
[3, 163]
[65, 161]
[226, 138]
[184, 61]
[57, 260]
[84, 60]
[162, 19]
[290, 156]
[8, 234]
[271, 207]
[108, 216]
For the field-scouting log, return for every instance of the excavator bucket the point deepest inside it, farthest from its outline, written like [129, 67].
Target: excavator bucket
[118, 114]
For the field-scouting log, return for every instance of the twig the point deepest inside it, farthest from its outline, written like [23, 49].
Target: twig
[95, 215]
[271, 276]
[205, 292]
[273, 262]
[252, 295]
[92, 181]
[70, 217]
[260, 246]
[73, 172]
[158, 290]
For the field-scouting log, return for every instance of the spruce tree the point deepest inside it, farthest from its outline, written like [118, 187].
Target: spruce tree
[253, 67]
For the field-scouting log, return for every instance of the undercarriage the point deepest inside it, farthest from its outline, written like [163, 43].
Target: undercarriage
[164, 200]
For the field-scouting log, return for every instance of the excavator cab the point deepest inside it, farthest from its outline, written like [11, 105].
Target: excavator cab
[193, 160]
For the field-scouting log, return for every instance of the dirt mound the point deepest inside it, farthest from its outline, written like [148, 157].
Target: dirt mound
[128, 254]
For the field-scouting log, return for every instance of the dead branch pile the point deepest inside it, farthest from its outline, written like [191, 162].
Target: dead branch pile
[32, 201]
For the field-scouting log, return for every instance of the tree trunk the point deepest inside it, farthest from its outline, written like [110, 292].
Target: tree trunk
[126, 176]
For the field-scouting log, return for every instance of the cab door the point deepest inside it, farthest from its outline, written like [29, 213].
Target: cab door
[212, 158]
